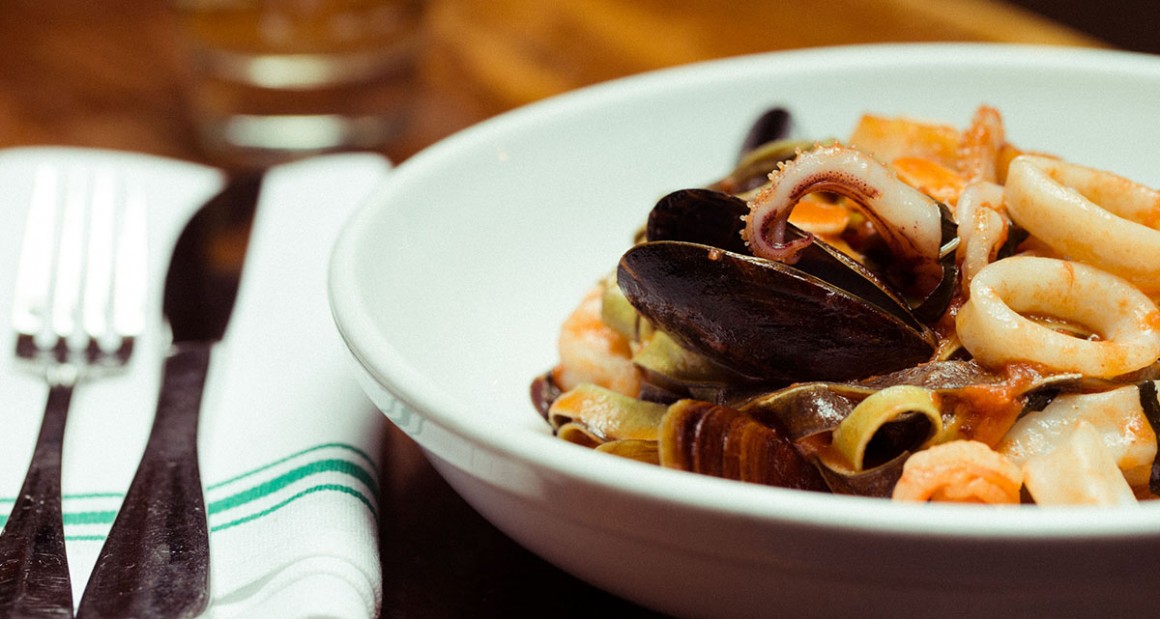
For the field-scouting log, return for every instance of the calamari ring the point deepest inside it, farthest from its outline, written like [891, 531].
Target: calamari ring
[1088, 215]
[992, 329]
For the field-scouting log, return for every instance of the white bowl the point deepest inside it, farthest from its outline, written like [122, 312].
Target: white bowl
[449, 287]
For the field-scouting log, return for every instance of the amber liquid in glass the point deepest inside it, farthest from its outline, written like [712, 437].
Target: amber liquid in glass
[272, 78]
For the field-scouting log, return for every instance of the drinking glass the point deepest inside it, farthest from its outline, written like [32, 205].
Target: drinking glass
[276, 79]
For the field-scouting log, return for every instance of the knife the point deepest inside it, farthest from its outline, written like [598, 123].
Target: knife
[155, 561]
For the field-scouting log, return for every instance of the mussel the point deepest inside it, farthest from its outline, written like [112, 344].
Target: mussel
[824, 318]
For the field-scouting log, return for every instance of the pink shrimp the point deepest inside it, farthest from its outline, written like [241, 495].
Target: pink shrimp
[592, 352]
[959, 471]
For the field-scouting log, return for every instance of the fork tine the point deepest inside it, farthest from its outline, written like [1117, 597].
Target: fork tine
[131, 269]
[34, 278]
[68, 287]
[98, 277]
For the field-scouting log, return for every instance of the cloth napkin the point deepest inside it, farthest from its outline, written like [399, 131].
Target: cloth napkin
[289, 445]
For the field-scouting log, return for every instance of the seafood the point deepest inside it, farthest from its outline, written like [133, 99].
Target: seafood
[780, 324]
[981, 145]
[1081, 471]
[960, 471]
[1089, 215]
[1117, 417]
[786, 322]
[983, 228]
[993, 327]
[921, 313]
[909, 221]
[592, 352]
[715, 440]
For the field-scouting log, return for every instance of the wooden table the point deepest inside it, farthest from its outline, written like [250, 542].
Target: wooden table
[110, 74]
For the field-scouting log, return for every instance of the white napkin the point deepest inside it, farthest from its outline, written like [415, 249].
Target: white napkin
[289, 445]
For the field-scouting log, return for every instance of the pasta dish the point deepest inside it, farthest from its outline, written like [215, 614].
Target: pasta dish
[918, 311]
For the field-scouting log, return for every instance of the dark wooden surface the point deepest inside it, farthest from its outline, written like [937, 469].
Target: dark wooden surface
[111, 74]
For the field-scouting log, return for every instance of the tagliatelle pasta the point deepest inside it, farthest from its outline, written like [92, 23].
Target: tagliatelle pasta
[948, 318]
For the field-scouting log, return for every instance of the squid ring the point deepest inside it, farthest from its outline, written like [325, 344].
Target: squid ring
[993, 329]
[1088, 215]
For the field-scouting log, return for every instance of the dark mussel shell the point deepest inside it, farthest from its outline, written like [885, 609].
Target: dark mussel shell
[713, 218]
[763, 319]
[774, 124]
[699, 216]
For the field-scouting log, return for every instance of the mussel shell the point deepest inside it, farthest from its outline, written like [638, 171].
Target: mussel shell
[808, 408]
[774, 124]
[764, 319]
[713, 218]
[699, 216]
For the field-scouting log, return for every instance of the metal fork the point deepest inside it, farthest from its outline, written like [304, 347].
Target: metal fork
[79, 307]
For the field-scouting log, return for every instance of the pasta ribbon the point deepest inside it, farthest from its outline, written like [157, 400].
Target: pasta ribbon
[590, 415]
[852, 436]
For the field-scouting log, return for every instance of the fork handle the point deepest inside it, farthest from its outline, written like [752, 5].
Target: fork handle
[155, 562]
[34, 579]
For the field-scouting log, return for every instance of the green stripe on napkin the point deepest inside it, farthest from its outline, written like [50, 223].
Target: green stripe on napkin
[247, 497]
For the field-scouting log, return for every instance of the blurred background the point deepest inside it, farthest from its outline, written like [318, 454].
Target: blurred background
[115, 74]
[1127, 24]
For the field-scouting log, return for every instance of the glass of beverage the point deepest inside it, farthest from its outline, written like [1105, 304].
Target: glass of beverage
[277, 79]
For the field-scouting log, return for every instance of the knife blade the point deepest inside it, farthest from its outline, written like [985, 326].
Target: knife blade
[155, 561]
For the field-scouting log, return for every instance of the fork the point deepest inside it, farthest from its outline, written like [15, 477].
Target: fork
[79, 307]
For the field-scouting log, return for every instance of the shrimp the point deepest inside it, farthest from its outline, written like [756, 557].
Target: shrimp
[981, 146]
[890, 139]
[931, 178]
[960, 471]
[592, 352]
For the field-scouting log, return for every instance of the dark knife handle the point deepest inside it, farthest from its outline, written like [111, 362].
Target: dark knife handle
[155, 562]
